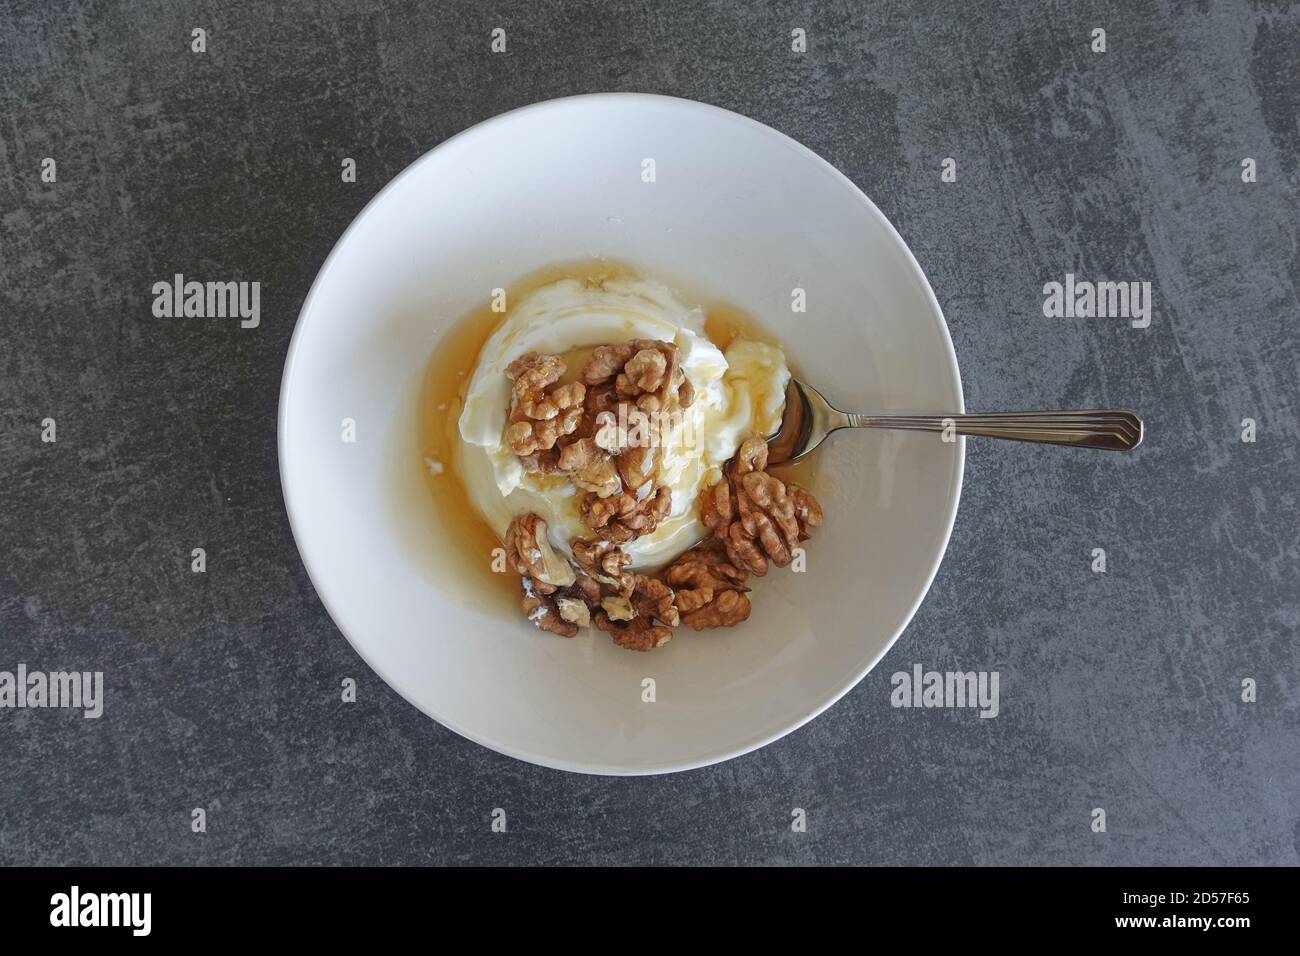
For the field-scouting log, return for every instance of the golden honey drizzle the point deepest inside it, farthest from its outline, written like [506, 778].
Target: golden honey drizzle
[442, 398]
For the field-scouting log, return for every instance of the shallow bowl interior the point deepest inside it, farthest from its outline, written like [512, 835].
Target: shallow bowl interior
[734, 208]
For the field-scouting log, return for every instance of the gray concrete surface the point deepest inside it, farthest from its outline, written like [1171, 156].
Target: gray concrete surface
[1121, 691]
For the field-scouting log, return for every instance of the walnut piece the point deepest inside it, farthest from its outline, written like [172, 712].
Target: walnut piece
[601, 401]
[716, 510]
[527, 437]
[530, 553]
[710, 590]
[807, 510]
[590, 467]
[755, 517]
[767, 515]
[653, 598]
[605, 564]
[641, 367]
[692, 599]
[605, 362]
[545, 462]
[638, 634]
[539, 418]
[750, 456]
[644, 372]
[637, 610]
[622, 517]
[544, 610]
[705, 566]
[574, 610]
[533, 372]
[638, 467]
[586, 589]
[726, 610]
[618, 608]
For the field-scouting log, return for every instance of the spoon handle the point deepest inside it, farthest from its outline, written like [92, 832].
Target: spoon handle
[1108, 429]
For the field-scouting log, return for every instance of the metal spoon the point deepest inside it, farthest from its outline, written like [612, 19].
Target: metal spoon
[809, 418]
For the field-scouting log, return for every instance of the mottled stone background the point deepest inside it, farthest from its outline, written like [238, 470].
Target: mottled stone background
[1119, 691]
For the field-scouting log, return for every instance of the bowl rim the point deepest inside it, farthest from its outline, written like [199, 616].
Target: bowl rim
[573, 766]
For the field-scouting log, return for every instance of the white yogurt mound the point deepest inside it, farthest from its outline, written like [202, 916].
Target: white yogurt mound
[737, 395]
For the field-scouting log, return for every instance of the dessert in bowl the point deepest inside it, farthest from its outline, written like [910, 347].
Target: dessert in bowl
[617, 451]
[400, 528]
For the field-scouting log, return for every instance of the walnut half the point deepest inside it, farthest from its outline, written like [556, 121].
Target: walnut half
[591, 468]
[530, 553]
[541, 412]
[622, 517]
[641, 367]
[638, 634]
[754, 515]
[605, 563]
[545, 610]
[710, 590]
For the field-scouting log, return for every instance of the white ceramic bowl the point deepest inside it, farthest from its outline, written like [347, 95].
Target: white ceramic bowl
[736, 208]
